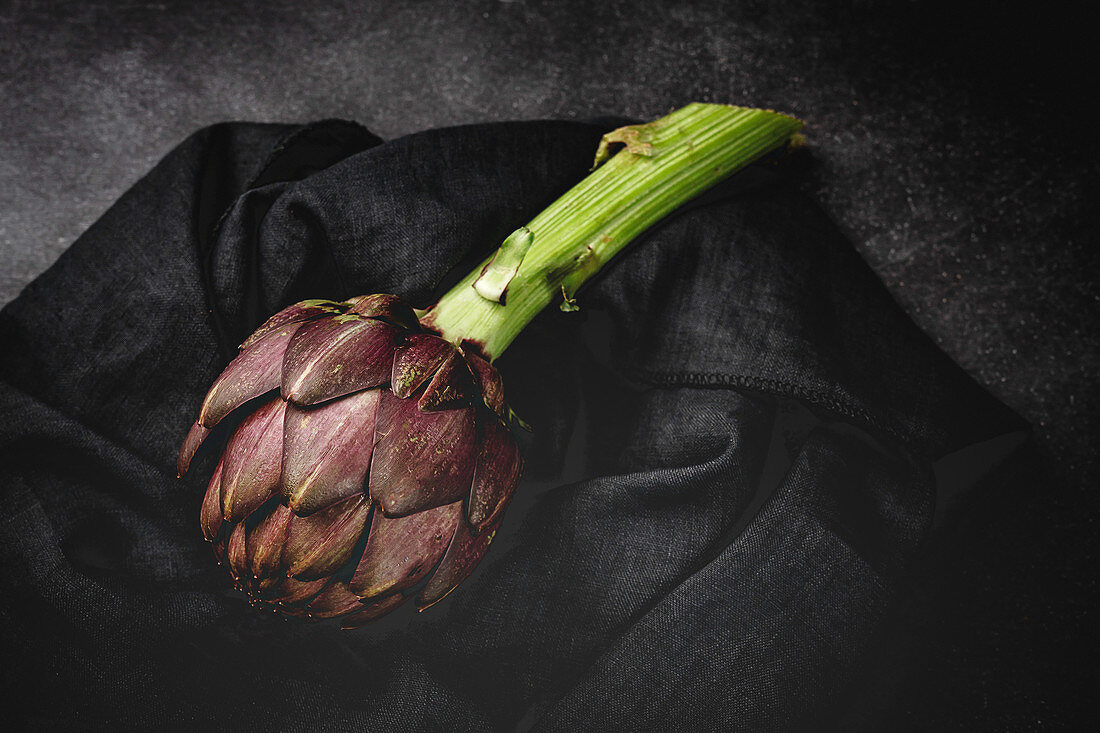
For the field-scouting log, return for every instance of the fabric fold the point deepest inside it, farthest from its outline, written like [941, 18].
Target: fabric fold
[731, 467]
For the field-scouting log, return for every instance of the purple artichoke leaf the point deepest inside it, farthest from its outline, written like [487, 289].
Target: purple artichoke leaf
[385, 307]
[237, 554]
[492, 386]
[252, 461]
[336, 356]
[307, 310]
[317, 545]
[421, 460]
[499, 465]
[292, 611]
[373, 611]
[416, 361]
[195, 436]
[256, 370]
[452, 386]
[210, 516]
[262, 588]
[400, 552]
[218, 547]
[462, 556]
[266, 542]
[326, 450]
[292, 592]
[335, 600]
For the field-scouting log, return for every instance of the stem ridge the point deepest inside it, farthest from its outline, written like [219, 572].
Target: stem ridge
[664, 164]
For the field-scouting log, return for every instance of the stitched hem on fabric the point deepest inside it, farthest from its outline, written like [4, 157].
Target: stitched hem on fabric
[915, 439]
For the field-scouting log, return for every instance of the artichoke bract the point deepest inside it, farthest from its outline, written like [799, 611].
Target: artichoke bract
[378, 457]
[374, 457]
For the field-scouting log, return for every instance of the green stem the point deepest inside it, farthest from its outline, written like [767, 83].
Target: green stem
[664, 164]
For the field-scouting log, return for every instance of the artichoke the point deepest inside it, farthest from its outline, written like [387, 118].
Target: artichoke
[373, 458]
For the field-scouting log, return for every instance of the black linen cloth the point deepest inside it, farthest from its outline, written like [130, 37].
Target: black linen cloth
[731, 470]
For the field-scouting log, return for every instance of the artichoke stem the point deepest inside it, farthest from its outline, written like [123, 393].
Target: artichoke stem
[662, 165]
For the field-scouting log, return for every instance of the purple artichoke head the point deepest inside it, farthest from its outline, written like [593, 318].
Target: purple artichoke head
[374, 463]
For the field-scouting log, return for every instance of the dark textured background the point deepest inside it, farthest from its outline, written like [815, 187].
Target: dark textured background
[950, 142]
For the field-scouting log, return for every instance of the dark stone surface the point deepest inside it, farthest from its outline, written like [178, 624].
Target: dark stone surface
[950, 143]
